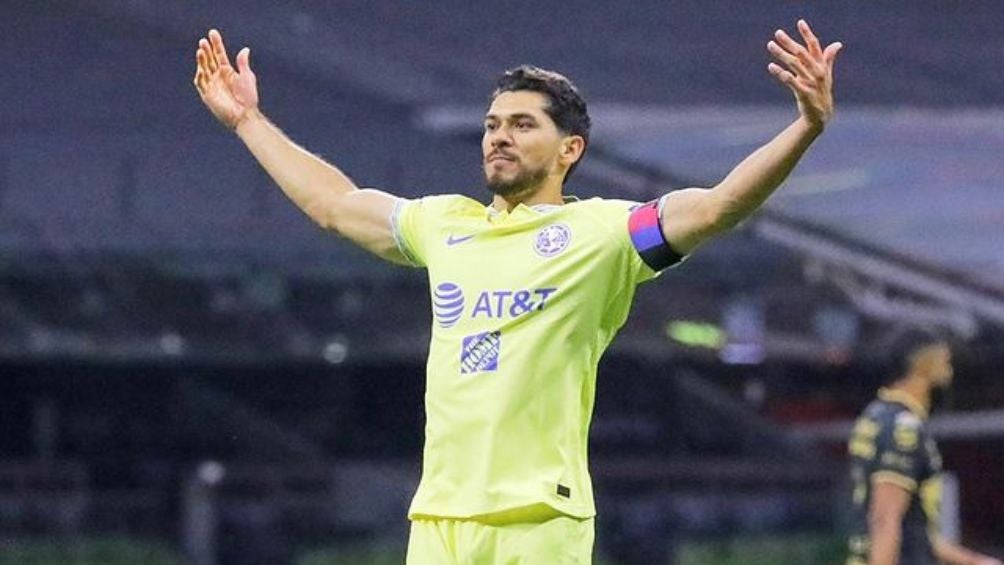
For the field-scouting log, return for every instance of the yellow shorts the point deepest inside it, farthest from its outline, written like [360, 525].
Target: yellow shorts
[557, 540]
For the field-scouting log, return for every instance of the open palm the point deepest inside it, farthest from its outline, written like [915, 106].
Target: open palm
[807, 70]
[228, 93]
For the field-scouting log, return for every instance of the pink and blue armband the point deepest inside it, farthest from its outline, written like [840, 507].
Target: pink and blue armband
[645, 227]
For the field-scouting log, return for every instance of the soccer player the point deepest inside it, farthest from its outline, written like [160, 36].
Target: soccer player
[527, 290]
[896, 465]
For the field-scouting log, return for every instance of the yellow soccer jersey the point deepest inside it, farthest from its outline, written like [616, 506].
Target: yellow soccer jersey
[524, 303]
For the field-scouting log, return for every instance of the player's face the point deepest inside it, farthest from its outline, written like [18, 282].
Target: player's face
[936, 361]
[521, 144]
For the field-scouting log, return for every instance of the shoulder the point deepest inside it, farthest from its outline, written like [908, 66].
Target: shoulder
[612, 212]
[435, 213]
[895, 414]
[883, 412]
[605, 216]
[448, 203]
[605, 205]
[901, 427]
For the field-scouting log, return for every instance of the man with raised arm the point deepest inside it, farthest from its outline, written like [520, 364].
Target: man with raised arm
[527, 291]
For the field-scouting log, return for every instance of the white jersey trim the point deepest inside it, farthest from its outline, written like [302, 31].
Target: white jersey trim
[395, 218]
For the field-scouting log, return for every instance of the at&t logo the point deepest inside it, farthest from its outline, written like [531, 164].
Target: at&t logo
[447, 304]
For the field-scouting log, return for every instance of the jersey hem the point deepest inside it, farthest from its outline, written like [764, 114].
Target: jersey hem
[895, 478]
[481, 515]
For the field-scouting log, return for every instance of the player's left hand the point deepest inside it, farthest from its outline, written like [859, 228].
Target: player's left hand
[807, 70]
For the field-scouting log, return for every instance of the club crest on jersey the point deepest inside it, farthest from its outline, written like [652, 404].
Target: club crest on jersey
[552, 239]
[447, 304]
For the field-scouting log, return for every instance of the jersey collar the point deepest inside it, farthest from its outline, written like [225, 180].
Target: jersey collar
[523, 209]
[904, 398]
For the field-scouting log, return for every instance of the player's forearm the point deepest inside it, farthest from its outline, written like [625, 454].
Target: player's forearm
[757, 177]
[953, 554]
[885, 533]
[312, 184]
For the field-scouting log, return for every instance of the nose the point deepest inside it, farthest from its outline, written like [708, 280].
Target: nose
[500, 137]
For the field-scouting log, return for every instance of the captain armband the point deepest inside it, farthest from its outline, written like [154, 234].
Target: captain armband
[645, 227]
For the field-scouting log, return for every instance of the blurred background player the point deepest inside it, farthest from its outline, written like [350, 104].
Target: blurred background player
[896, 464]
[527, 291]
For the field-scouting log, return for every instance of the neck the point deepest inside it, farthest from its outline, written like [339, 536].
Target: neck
[917, 387]
[548, 192]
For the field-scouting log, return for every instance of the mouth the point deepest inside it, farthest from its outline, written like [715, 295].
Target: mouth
[500, 157]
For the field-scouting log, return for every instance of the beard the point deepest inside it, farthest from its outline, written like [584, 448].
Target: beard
[941, 398]
[525, 181]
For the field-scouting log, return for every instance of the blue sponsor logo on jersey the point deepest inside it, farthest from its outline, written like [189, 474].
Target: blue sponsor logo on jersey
[510, 303]
[480, 352]
[448, 304]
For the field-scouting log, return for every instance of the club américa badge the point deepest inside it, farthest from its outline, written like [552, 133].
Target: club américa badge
[552, 239]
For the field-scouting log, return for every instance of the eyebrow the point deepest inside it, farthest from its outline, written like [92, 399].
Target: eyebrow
[516, 116]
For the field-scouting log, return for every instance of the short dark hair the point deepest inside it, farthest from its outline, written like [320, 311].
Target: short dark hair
[566, 106]
[903, 345]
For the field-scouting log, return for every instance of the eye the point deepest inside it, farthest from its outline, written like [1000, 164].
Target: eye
[524, 124]
[490, 126]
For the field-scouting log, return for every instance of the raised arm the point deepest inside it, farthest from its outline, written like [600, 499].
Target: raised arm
[692, 216]
[323, 192]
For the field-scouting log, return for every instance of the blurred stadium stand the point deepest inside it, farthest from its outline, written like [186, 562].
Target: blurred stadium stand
[187, 363]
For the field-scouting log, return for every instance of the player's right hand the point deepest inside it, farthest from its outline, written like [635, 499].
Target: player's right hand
[231, 95]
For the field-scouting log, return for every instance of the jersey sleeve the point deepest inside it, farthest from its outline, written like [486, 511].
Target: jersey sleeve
[411, 223]
[899, 457]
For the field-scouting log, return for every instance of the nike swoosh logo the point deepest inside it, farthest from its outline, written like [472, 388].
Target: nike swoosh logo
[450, 240]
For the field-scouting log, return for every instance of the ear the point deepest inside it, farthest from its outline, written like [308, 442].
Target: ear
[572, 148]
